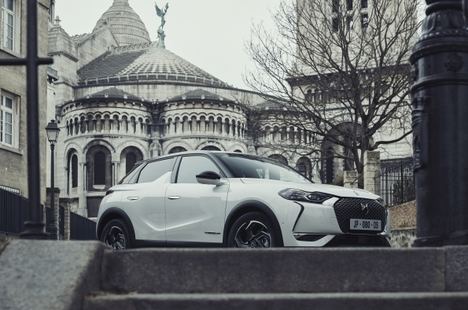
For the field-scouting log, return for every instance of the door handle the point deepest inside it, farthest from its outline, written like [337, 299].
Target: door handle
[133, 198]
[173, 197]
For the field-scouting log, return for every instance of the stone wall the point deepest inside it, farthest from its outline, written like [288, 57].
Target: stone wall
[403, 224]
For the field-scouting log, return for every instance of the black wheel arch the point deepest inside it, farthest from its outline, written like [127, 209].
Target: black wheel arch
[246, 207]
[114, 213]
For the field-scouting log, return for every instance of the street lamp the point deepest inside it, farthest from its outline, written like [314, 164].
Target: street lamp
[440, 127]
[52, 131]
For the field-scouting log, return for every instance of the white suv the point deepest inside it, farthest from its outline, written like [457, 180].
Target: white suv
[235, 200]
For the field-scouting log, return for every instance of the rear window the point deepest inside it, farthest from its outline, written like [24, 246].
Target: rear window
[156, 169]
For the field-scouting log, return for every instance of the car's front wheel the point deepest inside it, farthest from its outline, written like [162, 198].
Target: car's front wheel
[116, 235]
[253, 230]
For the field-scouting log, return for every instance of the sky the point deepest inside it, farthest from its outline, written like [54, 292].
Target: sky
[211, 34]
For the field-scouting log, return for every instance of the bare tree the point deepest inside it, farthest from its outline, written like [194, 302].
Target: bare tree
[340, 69]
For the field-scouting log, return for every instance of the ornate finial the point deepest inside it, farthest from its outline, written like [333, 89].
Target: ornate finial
[161, 13]
[57, 21]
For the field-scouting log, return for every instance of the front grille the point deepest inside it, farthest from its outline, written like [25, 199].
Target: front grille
[351, 208]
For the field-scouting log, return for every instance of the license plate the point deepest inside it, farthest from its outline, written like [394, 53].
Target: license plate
[361, 224]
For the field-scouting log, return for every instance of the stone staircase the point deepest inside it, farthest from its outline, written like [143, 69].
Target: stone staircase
[283, 279]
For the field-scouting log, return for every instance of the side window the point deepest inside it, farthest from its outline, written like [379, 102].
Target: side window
[155, 170]
[131, 177]
[191, 166]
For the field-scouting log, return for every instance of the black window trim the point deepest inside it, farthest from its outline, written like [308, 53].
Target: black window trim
[156, 160]
[179, 160]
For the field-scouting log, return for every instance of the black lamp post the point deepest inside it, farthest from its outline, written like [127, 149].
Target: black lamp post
[440, 124]
[53, 131]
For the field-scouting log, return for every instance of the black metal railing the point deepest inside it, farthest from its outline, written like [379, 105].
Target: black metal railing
[14, 209]
[81, 228]
[397, 181]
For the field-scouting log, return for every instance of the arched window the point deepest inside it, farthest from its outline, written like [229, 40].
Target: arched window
[177, 149]
[210, 148]
[309, 96]
[99, 167]
[129, 157]
[74, 171]
[279, 158]
[304, 166]
[130, 161]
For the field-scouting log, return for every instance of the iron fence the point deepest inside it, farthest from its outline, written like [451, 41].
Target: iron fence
[15, 209]
[82, 228]
[397, 181]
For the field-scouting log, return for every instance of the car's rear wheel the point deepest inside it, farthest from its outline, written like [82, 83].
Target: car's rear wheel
[253, 230]
[116, 235]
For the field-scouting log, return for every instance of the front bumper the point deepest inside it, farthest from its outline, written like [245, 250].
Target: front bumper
[317, 225]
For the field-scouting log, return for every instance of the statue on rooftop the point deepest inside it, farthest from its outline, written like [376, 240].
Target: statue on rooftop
[161, 13]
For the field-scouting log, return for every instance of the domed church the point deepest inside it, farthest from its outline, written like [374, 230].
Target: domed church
[121, 98]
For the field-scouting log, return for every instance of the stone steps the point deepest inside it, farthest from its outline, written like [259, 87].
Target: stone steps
[277, 279]
[274, 271]
[325, 301]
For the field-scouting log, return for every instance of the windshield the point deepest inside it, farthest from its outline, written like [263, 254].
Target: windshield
[242, 166]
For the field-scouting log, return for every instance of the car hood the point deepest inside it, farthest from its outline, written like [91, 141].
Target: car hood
[312, 187]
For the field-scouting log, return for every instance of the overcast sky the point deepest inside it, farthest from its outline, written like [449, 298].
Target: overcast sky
[212, 34]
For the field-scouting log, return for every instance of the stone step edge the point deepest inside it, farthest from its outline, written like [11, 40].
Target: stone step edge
[278, 296]
[320, 301]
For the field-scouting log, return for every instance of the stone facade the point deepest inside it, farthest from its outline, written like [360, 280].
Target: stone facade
[13, 157]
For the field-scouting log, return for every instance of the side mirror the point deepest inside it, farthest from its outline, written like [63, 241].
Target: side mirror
[209, 177]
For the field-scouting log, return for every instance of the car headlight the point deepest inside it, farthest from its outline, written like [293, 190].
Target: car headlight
[300, 195]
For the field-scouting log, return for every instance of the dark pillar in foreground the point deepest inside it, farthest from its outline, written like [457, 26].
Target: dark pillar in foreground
[440, 123]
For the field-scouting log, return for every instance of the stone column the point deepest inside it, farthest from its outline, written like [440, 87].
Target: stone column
[54, 223]
[350, 179]
[372, 172]
[66, 222]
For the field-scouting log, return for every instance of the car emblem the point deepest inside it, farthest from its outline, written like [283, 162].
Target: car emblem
[365, 208]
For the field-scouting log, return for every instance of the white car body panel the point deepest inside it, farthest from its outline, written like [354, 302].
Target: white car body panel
[197, 214]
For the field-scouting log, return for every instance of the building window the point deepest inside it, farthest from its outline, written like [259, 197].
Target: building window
[99, 168]
[330, 166]
[8, 120]
[74, 171]
[349, 23]
[177, 149]
[336, 6]
[364, 21]
[349, 5]
[335, 24]
[364, 4]
[9, 24]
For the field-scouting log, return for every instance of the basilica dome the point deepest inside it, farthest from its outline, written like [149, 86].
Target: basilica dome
[126, 26]
[144, 63]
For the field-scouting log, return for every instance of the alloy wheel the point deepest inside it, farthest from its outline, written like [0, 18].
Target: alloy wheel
[253, 234]
[115, 238]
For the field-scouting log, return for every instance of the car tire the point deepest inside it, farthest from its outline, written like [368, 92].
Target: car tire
[253, 230]
[116, 235]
